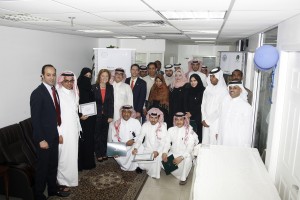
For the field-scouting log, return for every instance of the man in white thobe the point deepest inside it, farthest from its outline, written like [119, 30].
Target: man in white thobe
[210, 107]
[67, 171]
[122, 96]
[180, 142]
[195, 68]
[235, 117]
[154, 131]
[169, 74]
[126, 130]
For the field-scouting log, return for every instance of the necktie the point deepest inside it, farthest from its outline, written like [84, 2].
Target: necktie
[57, 106]
[132, 84]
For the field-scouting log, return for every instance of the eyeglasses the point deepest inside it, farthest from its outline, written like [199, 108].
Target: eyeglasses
[69, 81]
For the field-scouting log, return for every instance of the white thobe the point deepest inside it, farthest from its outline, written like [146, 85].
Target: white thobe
[128, 130]
[169, 80]
[149, 82]
[67, 170]
[235, 122]
[181, 147]
[122, 96]
[153, 142]
[202, 76]
[210, 109]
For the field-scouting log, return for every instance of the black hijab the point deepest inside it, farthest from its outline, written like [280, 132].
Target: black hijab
[199, 89]
[83, 82]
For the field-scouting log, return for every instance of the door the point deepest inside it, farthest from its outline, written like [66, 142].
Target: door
[288, 171]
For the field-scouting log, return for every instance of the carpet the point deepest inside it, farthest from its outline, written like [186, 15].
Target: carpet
[107, 182]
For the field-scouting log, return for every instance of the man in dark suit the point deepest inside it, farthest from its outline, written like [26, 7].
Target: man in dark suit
[139, 90]
[45, 115]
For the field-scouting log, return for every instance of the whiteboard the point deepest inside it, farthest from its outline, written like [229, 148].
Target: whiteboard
[229, 61]
[106, 58]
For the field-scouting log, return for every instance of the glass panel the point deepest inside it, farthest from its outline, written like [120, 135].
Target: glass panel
[141, 58]
[264, 101]
[156, 56]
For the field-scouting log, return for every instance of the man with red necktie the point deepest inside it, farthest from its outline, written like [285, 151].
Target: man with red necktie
[45, 115]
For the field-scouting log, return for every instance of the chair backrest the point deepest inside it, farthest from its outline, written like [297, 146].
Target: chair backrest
[27, 129]
[14, 147]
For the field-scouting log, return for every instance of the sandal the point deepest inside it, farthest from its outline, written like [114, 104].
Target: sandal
[63, 188]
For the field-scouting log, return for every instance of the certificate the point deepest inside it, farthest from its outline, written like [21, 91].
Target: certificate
[88, 109]
[143, 157]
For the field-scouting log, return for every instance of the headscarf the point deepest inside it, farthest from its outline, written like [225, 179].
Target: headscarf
[221, 85]
[161, 93]
[122, 71]
[117, 123]
[190, 68]
[180, 79]
[61, 78]
[156, 112]
[186, 124]
[199, 87]
[84, 82]
[244, 94]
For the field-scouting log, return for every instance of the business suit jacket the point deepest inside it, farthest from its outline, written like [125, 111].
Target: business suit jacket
[43, 115]
[139, 94]
[107, 107]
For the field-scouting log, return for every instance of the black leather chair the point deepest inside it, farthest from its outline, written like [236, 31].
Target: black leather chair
[20, 159]
[26, 126]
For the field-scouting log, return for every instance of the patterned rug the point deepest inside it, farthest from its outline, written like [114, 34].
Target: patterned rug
[107, 182]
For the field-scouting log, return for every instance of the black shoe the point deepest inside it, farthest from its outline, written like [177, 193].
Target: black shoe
[138, 170]
[105, 158]
[62, 193]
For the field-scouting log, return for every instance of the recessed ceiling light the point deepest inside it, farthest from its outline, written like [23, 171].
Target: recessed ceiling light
[126, 37]
[94, 31]
[203, 38]
[201, 31]
[205, 41]
[180, 15]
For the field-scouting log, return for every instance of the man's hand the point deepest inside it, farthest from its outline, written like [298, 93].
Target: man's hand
[164, 157]
[204, 124]
[84, 117]
[130, 142]
[137, 115]
[145, 111]
[109, 120]
[44, 145]
[134, 152]
[188, 114]
[155, 153]
[178, 160]
[60, 139]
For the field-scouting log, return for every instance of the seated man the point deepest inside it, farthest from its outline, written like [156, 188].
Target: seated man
[126, 129]
[154, 131]
[235, 117]
[180, 142]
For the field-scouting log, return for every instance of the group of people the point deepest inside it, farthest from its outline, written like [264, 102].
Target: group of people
[152, 111]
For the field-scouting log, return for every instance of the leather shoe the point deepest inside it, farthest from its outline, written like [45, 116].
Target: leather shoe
[138, 170]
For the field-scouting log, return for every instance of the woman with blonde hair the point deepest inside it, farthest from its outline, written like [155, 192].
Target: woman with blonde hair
[104, 97]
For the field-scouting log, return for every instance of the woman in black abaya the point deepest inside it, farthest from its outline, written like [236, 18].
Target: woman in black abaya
[86, 158]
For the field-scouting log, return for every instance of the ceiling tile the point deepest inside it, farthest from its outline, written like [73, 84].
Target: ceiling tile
[36, 6]
[189, 5]
[140, 15]
[96, 6]
[267, 5]
[197, 24]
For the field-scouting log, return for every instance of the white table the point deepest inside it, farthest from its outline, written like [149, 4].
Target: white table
[231, 173]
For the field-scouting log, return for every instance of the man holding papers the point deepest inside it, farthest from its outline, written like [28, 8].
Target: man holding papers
[181, 136]
[154, 131]
[125, 130]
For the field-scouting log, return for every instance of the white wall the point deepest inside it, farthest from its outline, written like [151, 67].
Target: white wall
[288, 39]
[187, 52]
[171, 51]
[23, 53]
